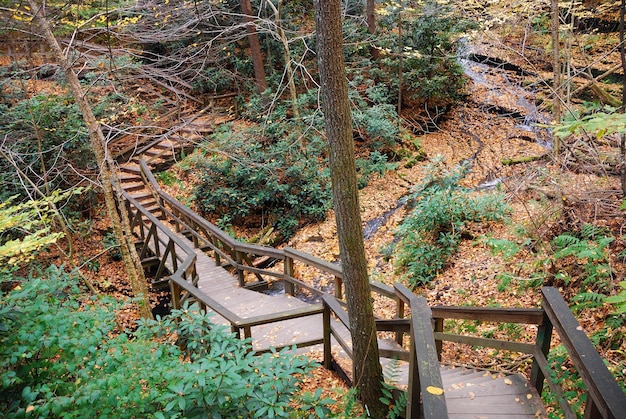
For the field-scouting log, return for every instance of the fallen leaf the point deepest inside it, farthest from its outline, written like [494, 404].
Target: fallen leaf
[471, 395]
[437, 391]
[508, 381]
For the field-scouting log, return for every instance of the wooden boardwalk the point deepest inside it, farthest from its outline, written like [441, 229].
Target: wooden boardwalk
[222, 286]
[468, 392]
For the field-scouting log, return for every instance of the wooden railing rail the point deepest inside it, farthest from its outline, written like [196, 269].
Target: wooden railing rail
[183, 281]
[228, 251]
[166, 247]
[425, 384]
[605, 398]
[239, 324]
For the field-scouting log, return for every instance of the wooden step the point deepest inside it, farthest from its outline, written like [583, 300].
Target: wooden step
[129, 178]
[472, 393]
[143, 196]
[130, 168]
[133, 187]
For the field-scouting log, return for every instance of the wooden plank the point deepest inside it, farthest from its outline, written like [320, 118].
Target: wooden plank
[490, 314]
[424, 349]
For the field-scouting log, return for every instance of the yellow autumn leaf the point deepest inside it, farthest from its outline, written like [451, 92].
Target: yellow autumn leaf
[437, 391]
[508, 381]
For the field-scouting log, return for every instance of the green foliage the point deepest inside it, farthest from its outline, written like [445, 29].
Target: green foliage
[377, 163]
[394, 398]
[619, 300]
[25, 229]
[62, 357]
[589, 251]
[431, 75]
[278, 179]
[314, 406]
[568, 378]
[507, 248]
[434, 228]
[599, 124]
[44, 128]
[379, 123]
[573, 257]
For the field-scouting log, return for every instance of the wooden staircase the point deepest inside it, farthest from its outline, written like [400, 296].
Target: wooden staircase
[203, 264]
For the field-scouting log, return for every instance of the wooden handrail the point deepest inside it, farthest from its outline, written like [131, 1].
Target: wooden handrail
[494, 314]
[287, 254]
[424, 372]
[605, 397]
[313, 261]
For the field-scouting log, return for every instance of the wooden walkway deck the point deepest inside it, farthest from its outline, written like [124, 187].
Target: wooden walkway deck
[222, 286]
[470, 393]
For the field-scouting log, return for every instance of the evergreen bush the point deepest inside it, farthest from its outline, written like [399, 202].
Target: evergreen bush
[61, 355]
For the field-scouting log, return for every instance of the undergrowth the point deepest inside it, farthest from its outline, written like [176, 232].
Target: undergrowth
[442, 210]
[61, 356]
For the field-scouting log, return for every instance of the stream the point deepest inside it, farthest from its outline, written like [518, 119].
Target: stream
[502, 81]
[503, 95]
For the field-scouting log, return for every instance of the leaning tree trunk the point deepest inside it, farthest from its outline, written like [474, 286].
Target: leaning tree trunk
[121, 225]
[622, 50]
[334, 90]
[255, 47]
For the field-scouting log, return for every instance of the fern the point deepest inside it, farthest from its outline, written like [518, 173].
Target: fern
[592, 232]
[585, 300]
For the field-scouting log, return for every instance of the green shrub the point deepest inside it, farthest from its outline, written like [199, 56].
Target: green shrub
[431, 74]
[60, 356]
[279, 179]
[434, 228]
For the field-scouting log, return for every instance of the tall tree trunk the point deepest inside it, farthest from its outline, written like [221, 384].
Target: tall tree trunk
[334, 90]
[622, 50]
[288, 67]
[371, 25]
[255, 47]
[556, 69]
[119, 221]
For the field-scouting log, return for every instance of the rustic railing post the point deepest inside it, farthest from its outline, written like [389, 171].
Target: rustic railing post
[544, 337]
[216, 254]
[240, 273]
[326, 334]
[413, 404]
[438, 343]
[175, 295]
[399, 315]
[338, 288]
[172, 250]
[290, 288]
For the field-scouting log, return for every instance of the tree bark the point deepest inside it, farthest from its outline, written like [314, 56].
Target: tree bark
[255, 47]
[556, 69]
[119, 221]
[371, 25]
[336, 107]
[622, 50]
